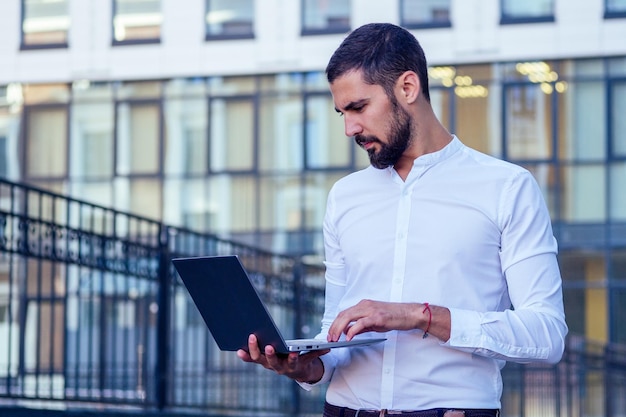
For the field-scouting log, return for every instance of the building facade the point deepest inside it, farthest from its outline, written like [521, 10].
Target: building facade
[215, 115]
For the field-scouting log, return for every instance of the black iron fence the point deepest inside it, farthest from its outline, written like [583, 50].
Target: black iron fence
[92, 314]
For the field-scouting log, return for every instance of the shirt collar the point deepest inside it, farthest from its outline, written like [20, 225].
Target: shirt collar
[433, 158]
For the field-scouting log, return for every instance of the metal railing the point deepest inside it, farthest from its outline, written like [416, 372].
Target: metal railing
[93, 314]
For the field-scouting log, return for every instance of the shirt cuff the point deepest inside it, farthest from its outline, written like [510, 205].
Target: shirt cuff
[465, 328]
[329, 362]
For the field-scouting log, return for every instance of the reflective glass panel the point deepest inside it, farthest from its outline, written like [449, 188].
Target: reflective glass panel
[582, 133]
[615, 6]
[10, 128]
[476, 101]
[323, 16]
[515, 9]
[137, 20]
[138, 146]
[45, 23]
[145, 197]
[425, 12]
[186, 149]
[528, 122]
[280, 198]
[280, 133]
[46, 142]
[231, 200]
[232, 135]
[584, 193]
[618, 191]
[91, 142]
[618, 121]
[229, 18]
[326, 144]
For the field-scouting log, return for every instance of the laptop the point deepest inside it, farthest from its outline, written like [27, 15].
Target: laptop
[232, 309]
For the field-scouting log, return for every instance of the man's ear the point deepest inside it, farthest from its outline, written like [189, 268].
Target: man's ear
[410, 86]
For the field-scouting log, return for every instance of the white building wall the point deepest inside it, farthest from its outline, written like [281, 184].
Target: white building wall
[475, 36]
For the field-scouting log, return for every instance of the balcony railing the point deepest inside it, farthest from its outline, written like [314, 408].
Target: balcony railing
[93, 314]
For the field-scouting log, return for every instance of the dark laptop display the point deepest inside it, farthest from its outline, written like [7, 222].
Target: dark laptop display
[232, 309]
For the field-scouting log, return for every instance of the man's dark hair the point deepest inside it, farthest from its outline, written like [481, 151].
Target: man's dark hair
[383, 52]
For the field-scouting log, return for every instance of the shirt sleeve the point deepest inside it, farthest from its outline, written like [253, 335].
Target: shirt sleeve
[330, 360]
[334, 292]
[534, 329]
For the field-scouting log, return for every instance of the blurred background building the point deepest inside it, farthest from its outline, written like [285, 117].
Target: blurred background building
[216, 115]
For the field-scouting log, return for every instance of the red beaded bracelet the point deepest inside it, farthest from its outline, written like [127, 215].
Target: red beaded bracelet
[430, 319]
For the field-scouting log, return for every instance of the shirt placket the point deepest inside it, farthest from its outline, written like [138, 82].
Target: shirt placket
[397, 284]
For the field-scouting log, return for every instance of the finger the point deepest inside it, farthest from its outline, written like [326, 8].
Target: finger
[243, 355]
[271, 358]
[253, 348]
[342, 322]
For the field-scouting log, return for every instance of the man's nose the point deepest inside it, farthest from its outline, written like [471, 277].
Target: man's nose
[352, 126]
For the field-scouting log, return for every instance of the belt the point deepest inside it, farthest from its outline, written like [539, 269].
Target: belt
[335, 411]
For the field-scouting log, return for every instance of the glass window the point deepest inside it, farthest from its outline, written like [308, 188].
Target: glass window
[136, 21]
[582, 132]
[186, 130]
[316, 188]
[280, 198]
[232, 135]
[524, 11]
[46, 141]
[145, 197]
[615, 8]
[440, 101]
[45, 23]
[584, 193]
[232, 201]
[91, 138]
[10, 136]
[4, 164]
[96, 192]
[475, 105]
[326, 144]
[618, 310]
[228, 86]
[138, 138]
[618, 121]
[280, 133]
[425, 13]
[617, 195]
[229, 19]
[186, 203]
[323, 16]
[528, 123]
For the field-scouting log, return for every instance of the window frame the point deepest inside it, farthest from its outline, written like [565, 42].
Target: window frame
[28, 46]
[304, 31]
[506, 19]
[25, 144]
[115, 42]
[225, 36]
[611, 14]
[424, 25]
[155, 103]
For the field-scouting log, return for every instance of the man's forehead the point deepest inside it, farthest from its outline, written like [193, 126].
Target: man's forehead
[351, 88]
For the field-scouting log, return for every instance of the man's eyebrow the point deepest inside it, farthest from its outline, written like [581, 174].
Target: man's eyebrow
[352, 105]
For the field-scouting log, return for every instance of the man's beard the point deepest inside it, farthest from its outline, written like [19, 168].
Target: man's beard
[399, 138]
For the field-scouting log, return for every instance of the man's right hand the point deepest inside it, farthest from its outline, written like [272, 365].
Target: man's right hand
[306, 367]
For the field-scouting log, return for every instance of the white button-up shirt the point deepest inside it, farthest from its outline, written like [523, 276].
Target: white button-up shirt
[465, 231]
